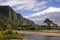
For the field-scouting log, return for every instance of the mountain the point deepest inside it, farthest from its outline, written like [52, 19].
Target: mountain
[9, 16]
[8, 11]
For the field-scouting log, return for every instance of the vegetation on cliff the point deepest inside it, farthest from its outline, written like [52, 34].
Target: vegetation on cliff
[10, 19]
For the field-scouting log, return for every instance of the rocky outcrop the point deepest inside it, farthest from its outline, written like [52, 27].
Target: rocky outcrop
[10, 13]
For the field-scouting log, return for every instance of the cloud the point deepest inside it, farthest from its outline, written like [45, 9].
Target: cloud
[32, 6]
[35, 5]
[51, 13]
[48, 10]
[29, 5]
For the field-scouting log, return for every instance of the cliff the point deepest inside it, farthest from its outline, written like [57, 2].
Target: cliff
[11, 14]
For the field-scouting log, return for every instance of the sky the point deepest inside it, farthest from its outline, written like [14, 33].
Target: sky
[36, 10]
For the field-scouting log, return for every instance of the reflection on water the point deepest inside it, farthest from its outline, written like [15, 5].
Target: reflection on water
[34, 37]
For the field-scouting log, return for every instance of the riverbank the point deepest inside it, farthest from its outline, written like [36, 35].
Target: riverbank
[10, 35]
[25, 38]
[41, 33]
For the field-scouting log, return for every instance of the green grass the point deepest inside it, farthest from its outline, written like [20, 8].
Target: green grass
[10, 35]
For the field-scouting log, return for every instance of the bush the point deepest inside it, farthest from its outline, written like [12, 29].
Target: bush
[10, 35]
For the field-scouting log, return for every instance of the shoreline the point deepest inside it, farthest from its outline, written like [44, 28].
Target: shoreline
[41, 33]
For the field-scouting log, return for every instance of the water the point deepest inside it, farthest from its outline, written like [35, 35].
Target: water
[36, 37]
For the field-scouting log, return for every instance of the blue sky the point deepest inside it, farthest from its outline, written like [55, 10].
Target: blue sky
[36, 10]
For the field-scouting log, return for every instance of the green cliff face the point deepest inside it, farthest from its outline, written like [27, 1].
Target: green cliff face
[9, 17]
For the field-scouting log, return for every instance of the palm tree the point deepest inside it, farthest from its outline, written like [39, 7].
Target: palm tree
[48, 21]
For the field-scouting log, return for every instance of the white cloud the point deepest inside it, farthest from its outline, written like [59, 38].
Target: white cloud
[0, 0]
[29, 5]
[14, 2]
[51, 12]
[48, 10]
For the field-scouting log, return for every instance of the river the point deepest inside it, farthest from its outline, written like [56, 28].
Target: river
[32, 35]
[36, 37]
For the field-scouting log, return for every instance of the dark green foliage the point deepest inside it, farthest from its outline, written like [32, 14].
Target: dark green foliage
[9, 32]
[48, 21]
[10, 35]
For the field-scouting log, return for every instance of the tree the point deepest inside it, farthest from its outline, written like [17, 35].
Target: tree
[48, 21]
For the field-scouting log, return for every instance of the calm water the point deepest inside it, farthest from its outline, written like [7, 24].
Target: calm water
[34, 37]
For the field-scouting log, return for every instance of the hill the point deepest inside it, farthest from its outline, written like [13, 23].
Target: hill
[8, 17]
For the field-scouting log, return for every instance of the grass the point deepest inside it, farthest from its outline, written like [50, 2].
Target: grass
[10, 35]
